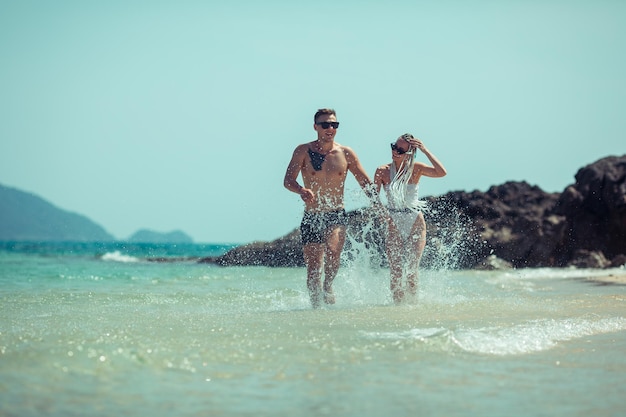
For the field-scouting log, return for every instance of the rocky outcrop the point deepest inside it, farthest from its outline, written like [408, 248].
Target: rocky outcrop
[513, 224]
[512, 221]
[287, 250]
[594, 209]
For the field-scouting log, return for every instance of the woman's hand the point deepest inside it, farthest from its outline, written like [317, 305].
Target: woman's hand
[414, 142]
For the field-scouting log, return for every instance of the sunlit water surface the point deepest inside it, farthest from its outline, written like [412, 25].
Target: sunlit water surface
[112, 334]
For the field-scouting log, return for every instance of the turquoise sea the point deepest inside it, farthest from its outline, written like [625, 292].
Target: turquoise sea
[99, 330]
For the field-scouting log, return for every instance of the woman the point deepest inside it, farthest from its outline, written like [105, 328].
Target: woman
[406, 234]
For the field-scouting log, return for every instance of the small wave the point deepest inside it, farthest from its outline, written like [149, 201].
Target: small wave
[531, 337]
[413, 334]
[534, 336]
[117, 256]
[558, 273]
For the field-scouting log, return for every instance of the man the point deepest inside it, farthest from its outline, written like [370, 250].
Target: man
[324, 165]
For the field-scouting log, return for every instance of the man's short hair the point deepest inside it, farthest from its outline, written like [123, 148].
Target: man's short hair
[321, 112]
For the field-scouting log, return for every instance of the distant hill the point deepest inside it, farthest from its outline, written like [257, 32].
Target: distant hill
[25, 216]
[150, 236]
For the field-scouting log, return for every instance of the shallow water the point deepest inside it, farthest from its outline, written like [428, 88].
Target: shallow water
[84, 334]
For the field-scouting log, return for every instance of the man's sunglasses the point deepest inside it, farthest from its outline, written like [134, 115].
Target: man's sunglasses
[394, 147]
[326, 125]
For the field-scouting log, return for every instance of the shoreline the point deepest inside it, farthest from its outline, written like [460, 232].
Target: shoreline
[608, 276]
[613, 278]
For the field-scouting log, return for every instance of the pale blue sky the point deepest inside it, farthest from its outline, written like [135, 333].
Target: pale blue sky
[184, 114]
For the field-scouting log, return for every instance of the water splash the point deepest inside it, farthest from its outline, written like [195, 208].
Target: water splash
[449, 246]
[451, 240]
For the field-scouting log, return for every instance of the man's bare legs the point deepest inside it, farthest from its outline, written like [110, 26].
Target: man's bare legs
[334, 245]
[314, 259]
[318, 256]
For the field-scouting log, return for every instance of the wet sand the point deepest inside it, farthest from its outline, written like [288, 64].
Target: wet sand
[613, 277]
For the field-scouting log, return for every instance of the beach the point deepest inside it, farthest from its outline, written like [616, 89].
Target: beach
[99, 330]
[617, 278]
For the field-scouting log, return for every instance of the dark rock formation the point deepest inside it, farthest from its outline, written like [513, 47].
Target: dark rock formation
[512, 220]
[287, 250]
[594, 209]
[512, 224]
[584, 258]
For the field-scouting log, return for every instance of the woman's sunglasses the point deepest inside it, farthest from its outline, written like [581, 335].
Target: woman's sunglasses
[394, 147]
[326, 125]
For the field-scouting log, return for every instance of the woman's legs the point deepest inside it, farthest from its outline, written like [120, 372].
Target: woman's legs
[404, 257]
[416, 243]
[395, 251]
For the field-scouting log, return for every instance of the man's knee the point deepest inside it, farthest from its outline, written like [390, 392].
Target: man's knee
[334, 250]
[313, 254]
[336, 238]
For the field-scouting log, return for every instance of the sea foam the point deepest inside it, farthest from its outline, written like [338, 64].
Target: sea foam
[117, 256]
[530, 337]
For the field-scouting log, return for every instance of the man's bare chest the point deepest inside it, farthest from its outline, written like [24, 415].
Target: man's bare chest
[333, 163]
